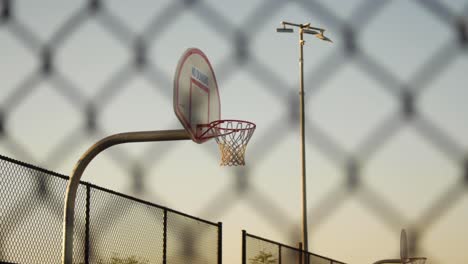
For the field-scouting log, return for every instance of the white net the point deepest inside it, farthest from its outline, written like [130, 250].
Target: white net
[232, 138]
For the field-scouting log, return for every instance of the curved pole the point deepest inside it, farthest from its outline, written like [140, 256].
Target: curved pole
[80, 166]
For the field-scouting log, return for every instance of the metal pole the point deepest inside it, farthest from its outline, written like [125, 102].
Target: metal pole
[87, 224]
[165, 237]
[301, 253]
[318, 32]
[220, 243]
[279, 255]
[93, 151]
[244, 247]
[303, 151]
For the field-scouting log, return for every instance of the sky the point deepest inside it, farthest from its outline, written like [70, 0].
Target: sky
[410, 172]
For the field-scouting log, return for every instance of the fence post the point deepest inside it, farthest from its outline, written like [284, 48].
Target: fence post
[88, 207]
[244, 246]
[165, 236]
[279, 254]
[220, 243]
[301, 253]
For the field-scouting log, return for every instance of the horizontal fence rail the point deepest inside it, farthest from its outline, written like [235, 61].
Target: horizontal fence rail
[259, 250]
[110, 227]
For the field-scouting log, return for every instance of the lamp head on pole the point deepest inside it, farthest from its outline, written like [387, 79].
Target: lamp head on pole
[309, 31]
[284, 30]
[322, 37]
[318, 34]
[305, 28]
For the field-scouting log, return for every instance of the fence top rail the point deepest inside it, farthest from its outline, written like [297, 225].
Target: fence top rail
[149, 203]
[64, 177]
[292, 248]
[34, 167]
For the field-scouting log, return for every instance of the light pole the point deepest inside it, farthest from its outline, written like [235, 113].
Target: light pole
[317, 32]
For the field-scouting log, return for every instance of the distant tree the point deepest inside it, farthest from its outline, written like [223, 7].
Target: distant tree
[122, 260]
[128, 260]
[263, 258]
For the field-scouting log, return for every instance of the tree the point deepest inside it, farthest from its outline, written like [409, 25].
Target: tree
[123, 260]
[128, 260]
[263, 258]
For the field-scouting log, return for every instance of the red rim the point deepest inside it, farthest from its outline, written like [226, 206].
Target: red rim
[227, 130]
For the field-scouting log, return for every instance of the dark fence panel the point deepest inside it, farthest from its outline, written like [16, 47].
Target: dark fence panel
[109, 226]
[257, 250]
[189, 241]
[31, 213]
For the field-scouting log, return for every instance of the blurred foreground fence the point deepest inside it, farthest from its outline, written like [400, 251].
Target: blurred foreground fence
[109, 227]
[257, 250]
[52, 71]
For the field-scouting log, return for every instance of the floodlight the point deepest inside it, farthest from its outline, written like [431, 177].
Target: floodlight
[284, 30]
[308, 31]
[322, 37]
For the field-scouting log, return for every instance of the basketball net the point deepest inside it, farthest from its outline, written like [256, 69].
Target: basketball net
[232, 137]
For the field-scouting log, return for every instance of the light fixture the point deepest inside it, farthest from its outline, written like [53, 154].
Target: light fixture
[284, 30]
[308, 31]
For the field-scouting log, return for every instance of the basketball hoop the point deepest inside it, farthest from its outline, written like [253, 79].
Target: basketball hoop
[404, 259]
[197, 105]
[232, 137]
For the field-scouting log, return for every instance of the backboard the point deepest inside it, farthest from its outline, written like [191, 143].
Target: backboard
[196, 96]
[404, 259]
[403, 245]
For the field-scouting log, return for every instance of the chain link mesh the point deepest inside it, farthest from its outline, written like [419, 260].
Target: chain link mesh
[122, 229]
[31, 215]
[259, 250]
[190, 242]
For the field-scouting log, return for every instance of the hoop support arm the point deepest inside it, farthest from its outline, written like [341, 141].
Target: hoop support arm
[80, 166]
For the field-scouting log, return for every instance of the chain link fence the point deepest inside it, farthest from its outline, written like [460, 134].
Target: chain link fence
[44, 78]
[109, 227]
[256, 250]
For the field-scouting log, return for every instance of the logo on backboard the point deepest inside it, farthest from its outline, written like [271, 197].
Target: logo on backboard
[199, 76]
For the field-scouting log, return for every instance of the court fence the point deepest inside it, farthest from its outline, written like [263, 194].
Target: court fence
[256, 250]
[110, 227]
